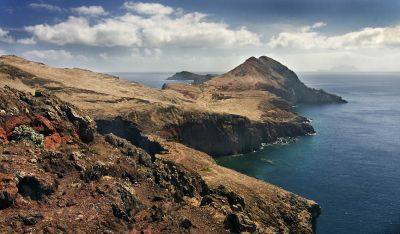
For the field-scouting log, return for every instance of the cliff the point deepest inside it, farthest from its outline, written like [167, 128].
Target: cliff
[58, 175]
[149, 124]
[189, 76]
[215, 115]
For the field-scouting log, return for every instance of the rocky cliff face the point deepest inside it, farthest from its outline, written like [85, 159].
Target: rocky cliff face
[141, 176]
[228, 109]
[57, 175]
[230, 134]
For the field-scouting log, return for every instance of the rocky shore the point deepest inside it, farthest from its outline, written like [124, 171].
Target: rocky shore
[118, 156]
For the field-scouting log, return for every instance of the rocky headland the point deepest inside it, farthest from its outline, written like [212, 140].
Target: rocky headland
[118, 156]
[190, 76]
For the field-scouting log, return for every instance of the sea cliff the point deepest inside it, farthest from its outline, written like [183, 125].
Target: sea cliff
[166, 136]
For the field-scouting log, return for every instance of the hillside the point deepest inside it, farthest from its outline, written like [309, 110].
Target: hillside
[240, 121]
[145, 137]
[269, 75]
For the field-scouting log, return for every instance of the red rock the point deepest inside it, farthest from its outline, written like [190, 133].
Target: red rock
[53, 141]
[15, 121]
[21, 203]
[60, 125]
[169, 133]
[8, 191]
[3, 135]
[43, 124]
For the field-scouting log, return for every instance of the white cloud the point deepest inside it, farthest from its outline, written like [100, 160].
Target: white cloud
[148, 8]
[162, 30]
[48, 54]
[89, 10]
[307, 39]
[46, 7]
[314, 26]
[5, 37]
[3, 52]
[318, 25]
[77, 30]
[26, 41]
[146, 52]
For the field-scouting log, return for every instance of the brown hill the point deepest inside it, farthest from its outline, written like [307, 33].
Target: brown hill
[240, 121]
[148, 123]
[269, 75]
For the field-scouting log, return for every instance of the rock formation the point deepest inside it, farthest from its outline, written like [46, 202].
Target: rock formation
[189, 76]
[251, 105]
[139, 175]
[269, 75]
[58, 175]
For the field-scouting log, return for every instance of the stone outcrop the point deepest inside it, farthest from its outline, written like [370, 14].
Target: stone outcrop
[48, 123]
[230, 134]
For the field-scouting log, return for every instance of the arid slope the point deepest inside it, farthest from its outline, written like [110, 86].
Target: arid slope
[195, 115]
[58, 175]
[215, 118]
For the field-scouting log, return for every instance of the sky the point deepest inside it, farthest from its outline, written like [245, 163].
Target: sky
[203, 35]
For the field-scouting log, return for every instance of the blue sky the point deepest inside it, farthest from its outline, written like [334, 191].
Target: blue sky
[208, 35]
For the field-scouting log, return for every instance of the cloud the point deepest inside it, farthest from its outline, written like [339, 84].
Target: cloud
[45, 6]
[77, 30]
[148, 8]
[26, 41]
[307, 38]
[5, 37]
[157, 29]
[89, 10]
[318, 25]
[48, 54]
[314, 26]
[146, 52]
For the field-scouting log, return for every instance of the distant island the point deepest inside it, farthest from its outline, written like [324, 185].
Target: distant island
[189, 76]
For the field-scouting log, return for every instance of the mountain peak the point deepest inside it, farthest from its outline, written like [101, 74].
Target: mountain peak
[251, 59]
[270, 75]
[259, 66]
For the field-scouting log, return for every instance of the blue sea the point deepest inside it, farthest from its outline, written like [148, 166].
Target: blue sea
[351, 167]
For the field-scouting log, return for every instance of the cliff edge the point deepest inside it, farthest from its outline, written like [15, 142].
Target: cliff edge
[145, 164]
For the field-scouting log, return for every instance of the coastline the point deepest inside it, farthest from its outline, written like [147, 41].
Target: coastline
[206, 117]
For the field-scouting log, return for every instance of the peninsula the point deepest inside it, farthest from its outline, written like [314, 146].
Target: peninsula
[86, 151]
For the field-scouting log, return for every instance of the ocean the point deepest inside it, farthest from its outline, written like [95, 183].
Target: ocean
[351, 167]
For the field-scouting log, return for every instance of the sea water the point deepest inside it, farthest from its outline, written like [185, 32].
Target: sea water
[351, 167]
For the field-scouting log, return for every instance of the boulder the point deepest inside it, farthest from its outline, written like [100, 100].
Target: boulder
[85, 125]
[185, 223]
[238, 223]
